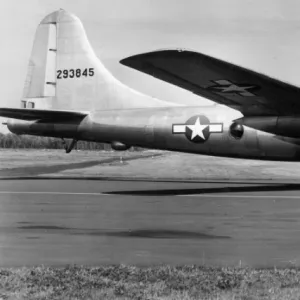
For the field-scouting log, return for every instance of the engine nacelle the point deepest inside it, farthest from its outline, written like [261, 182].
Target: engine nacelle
[288, 126]
[118, 146]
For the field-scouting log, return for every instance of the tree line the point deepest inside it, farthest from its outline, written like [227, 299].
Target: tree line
[12, 141]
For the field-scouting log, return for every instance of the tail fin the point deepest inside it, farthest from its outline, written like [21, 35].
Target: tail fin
[64, 72]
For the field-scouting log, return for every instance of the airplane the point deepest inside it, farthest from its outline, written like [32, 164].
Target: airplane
[70, 94]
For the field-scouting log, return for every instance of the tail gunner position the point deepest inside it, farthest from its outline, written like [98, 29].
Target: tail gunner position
[70, 94]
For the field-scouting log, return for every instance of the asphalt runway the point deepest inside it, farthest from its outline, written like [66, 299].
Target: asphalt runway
[92, 222]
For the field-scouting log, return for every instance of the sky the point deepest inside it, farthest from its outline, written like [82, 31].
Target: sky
[263, 35]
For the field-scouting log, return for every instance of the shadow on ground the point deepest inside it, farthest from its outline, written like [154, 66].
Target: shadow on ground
[139, 233]
[222, 189]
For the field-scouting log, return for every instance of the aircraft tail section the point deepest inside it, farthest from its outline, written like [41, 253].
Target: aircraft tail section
[38, 93]
[64, 73]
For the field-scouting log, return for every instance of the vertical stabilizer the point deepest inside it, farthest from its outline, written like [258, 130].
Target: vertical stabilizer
[64, 72]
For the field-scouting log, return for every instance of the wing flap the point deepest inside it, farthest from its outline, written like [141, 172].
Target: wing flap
[38, 114]
[250, 92]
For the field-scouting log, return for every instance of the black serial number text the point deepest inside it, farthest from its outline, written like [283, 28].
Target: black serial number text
[72, 73]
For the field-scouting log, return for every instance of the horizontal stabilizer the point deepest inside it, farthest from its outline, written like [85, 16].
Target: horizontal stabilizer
[39, 114]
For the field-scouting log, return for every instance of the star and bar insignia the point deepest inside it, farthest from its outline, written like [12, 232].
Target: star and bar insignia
[228, 87]
[197, 129]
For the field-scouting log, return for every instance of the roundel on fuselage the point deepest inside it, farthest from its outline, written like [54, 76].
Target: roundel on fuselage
[197, 129]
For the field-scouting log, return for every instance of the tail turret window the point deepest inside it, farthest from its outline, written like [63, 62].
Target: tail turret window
[30, 105]
[23, 104]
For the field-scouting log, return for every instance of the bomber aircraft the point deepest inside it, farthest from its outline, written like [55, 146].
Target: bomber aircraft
[70, 94]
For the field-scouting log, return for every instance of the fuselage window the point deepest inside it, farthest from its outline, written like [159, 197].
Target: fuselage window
[236, 130]
[23, 104]
[30, 105]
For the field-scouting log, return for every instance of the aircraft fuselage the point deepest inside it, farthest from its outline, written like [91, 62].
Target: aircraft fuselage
[201, 130]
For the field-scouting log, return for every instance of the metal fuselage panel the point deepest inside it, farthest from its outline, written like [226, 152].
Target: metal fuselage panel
[153, 128]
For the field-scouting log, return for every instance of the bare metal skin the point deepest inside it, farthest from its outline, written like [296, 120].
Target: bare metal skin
[74, 96]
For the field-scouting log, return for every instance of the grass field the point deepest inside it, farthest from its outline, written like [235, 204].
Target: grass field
[14, 158]
[161, 282]
[164, 165]
[28, 162]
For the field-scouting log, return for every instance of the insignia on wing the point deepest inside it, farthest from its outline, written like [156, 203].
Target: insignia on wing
[227, 87]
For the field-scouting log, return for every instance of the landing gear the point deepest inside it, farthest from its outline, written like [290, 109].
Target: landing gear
[69, 147]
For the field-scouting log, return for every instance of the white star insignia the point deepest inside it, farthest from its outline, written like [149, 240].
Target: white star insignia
[243, 90]
[236, 88]
[226, 86]
[197, 129]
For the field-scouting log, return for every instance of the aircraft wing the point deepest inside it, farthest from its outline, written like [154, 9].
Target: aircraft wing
[252, 93]
[39, 114]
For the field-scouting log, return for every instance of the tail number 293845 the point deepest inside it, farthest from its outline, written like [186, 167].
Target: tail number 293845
[72, 73]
